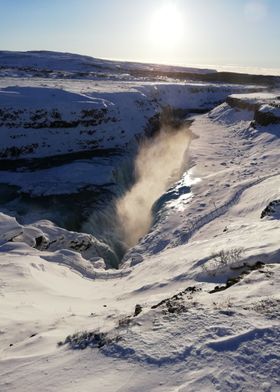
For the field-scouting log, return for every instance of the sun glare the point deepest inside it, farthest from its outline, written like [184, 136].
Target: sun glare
[166, 26]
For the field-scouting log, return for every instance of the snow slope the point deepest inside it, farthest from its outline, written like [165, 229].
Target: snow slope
[206, 275]
[55, 64]
[237, 155]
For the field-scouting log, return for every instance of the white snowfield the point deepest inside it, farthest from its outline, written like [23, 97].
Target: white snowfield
[73, 63]
[206, 275]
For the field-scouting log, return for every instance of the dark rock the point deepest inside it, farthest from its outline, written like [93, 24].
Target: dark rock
[39, 241]
[238, 103]
[138, 309]
[271, 208]
[232, 281]
[266, 118]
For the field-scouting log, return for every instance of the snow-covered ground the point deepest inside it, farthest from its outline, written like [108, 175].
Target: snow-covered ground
[206, 275]
[68, 64]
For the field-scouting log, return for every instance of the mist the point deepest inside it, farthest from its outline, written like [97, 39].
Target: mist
[159, 163]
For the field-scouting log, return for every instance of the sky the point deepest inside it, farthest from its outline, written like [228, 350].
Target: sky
[225, 33]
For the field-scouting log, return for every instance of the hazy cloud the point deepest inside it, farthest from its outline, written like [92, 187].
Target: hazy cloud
[159, 163]
[255, 10]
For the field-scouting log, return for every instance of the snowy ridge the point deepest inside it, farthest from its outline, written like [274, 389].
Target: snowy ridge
[68, 64]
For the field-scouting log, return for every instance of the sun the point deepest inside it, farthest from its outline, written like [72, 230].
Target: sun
[167, 25]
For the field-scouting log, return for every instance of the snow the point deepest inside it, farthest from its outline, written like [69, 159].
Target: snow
[69, 62]
[64, 179]
[191, 335]
[255, 97]
[9, 228]
[275, 111]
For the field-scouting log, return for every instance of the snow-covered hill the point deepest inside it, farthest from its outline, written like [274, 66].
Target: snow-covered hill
[195, 304]
[68, 65]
